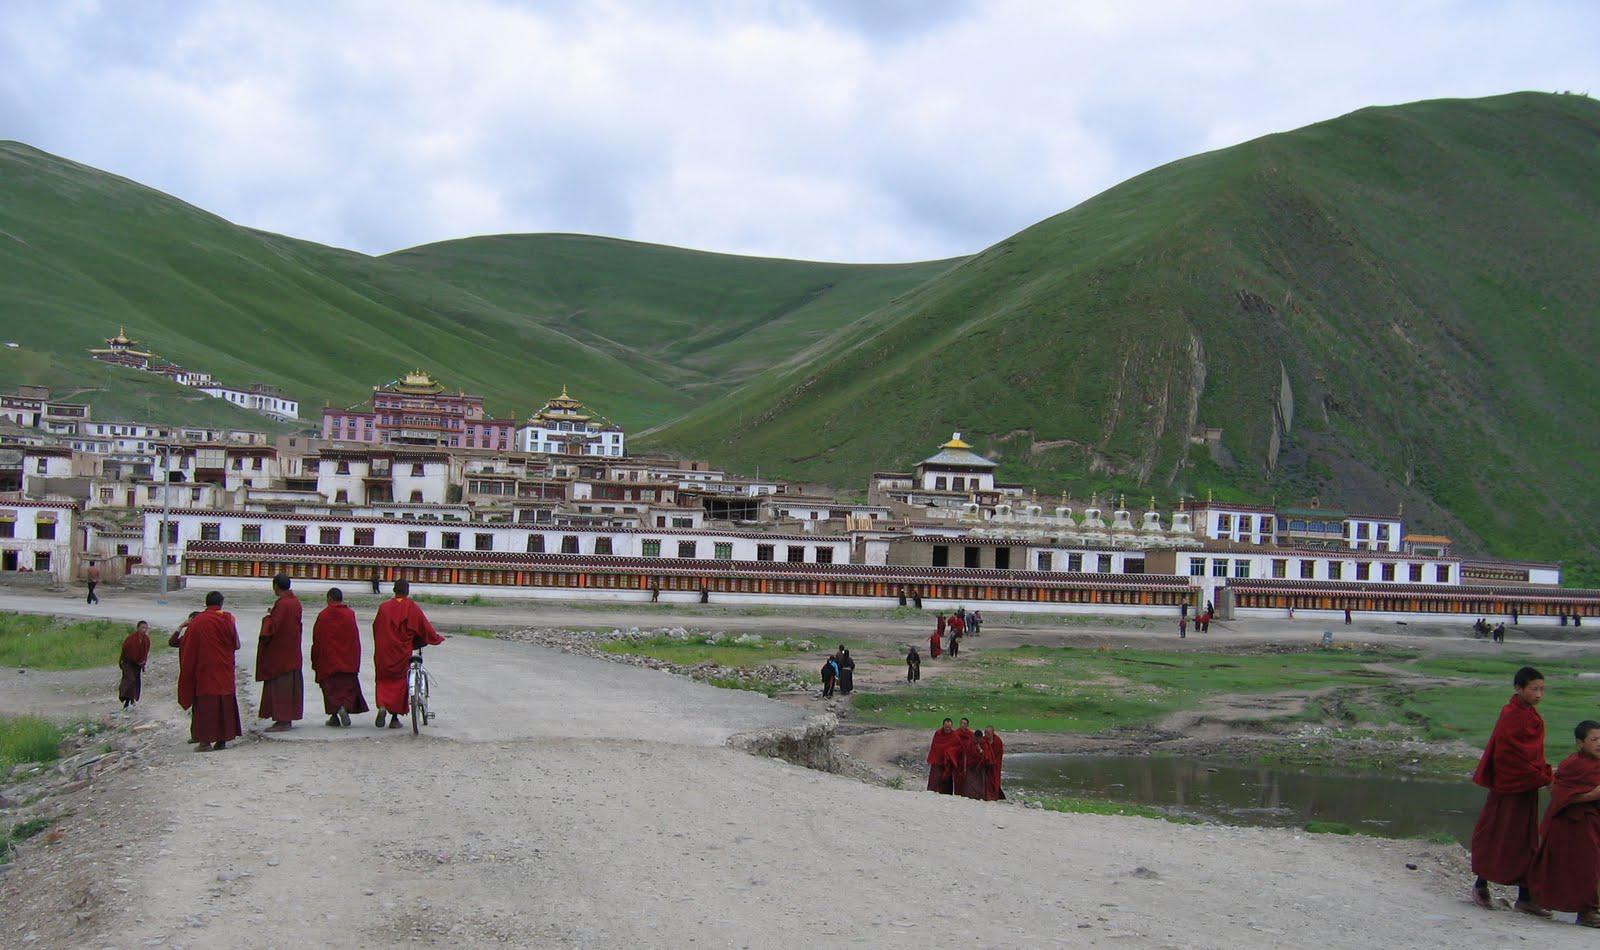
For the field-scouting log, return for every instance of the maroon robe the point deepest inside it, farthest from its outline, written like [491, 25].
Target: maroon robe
[994, 755]
[135, 653]
[969, 777]
[934, 647]
[1513, 769]
[941, 761]
[399, 627]
[1565, 874]
[278, 661]
[206, 676]
[336, 659]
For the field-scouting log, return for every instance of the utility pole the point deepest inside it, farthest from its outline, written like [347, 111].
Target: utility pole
[166, 513]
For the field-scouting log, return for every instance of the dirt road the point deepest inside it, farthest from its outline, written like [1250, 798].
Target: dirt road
[563, 801]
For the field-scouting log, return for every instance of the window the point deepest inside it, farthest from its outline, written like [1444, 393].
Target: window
[971, 557]
[958, 484]
[941, 555]
[683, 522]
[416, 497]
[329, 535]
[483, 541]
[724, 550]
[41, 561]
[344, 468]
[1219, 567]
[46, 530]
[939, 483]
[1416, 573]
[1308, 570]
[686, 549]
[651, 548]
[797, 553]
[824, 555]
[602, 545]
[1002, 559]
[1105, 564]
[210, 531]
[416, 539]
[1363, 571]
[450, 540]
[661, 521]
[416, 470]
[122, 550]
[365, 537]
[1335, 570]
[569, 544]
[1441, 573]
[535, 544]
[1241, 568]
[8, 529]
[1383, 532]
[1280, 567]
[1075, 563]
[341, 497]
[1043, 561]
[763, 552]
[1388, 572]
[1225, 522]
[1197, 567]
[1361, 532]
[294, 534]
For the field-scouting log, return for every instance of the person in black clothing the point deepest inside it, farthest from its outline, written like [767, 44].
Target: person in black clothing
[847, 672]
[705, 594]
[955, 645]
[916, 599]
[1347, 616]
[1515, 613]
[902, 596]
[1183, 611]
[830, 675]
[913, 665]
[655, 592]
[375, 586]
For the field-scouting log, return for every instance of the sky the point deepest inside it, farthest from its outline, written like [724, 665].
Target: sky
[879, 130]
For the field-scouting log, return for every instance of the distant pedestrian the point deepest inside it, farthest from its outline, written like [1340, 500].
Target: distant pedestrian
[830, 676]
[705, 594]
[975, 622]
[1183, 628]
[847, 672]
[913, 665]
[916, 599]
[1515, 614]
[1347, 616]
[135, 652]
[935, 644]
[1183, 611]
[955, 643]
[902, 596]
[655, 592]
[92, 577]
[377, 588]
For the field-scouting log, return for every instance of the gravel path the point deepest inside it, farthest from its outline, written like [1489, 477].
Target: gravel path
[568, 801]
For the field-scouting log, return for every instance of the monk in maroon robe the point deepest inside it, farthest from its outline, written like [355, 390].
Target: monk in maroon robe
[1566, 871]
[399, 628]
[336, 660]
[1513, 769]
[278, 660]
[941, 760]
[969, 777]
[935, 647]
[135, 653]
[205, 676]
[994, 756]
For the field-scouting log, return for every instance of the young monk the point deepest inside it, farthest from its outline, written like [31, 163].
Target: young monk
[205, 677]
[1566, 872]
[1513, 769]
[941, 760]
[969, 775]
[399, 628]
[336, 660]
[135, 653]
[278, 660]
[994, 757]
[934, 646]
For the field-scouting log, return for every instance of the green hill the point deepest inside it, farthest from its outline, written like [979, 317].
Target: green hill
[1394, 307]
[1398, 306]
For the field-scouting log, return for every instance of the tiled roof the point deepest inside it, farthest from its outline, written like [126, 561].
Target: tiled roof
[1346, 588]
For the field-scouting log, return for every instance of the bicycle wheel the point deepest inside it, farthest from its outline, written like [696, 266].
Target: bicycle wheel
[416, 714]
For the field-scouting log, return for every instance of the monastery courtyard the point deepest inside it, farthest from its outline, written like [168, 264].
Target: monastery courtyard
[563, 800]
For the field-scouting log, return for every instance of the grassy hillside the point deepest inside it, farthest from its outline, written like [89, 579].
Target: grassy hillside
[1422, 276]
[698, 321]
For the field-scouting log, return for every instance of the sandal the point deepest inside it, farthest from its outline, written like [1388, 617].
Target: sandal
[1481, 897]
[1531, 909]
[1588, 918]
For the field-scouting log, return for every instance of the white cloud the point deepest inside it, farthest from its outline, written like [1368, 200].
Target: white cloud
[885, 131]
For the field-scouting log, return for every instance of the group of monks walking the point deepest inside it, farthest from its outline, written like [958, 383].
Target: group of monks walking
[966, 763]
[208, 642]
[1554, 864]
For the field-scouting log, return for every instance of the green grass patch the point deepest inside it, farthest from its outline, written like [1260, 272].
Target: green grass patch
[28, 739]
[55, 643]
[19, 833]
[446, 600]
[749, 684]
[1329, 828]
[1097, 806]
[479, 633]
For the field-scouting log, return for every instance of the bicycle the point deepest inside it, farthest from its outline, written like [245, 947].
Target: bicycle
[417, 689]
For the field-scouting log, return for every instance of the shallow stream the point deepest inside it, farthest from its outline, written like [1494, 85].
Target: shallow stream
[1242, 795]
